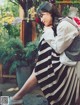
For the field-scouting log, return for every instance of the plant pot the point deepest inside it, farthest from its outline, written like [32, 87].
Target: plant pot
[22, 74]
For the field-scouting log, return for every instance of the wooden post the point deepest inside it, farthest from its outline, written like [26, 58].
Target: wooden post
[22, 32]
[27, 30]
[34, 34]
[0, 70]
[21, 15]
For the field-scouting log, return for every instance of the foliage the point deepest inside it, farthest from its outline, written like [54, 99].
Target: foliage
[13, 30]
[28, 6]
[3, 35]
[7, 17]
[13, 54]
[77, 6]
[31, 13]
[10, 7]
[65, 11]
[25, 4]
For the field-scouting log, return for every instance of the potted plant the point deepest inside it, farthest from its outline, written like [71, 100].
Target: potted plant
[15, 57]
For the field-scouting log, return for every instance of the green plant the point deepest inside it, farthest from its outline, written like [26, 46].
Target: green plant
[65, 11]
[13, 54]
[13, 30]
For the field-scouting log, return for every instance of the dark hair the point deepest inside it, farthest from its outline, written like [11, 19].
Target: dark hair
[48, 7]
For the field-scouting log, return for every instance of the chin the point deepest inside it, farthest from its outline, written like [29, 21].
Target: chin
[47, 25]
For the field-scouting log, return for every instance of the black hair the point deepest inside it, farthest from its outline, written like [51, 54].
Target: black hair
[48, 7]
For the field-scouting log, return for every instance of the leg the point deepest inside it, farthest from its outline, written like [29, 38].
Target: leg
[31, 82]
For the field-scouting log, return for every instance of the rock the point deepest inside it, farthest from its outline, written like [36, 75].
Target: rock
[35, 99]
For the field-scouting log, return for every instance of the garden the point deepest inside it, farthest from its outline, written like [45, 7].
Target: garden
[19, 36]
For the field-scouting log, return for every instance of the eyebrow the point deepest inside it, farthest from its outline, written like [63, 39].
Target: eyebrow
[41, 14]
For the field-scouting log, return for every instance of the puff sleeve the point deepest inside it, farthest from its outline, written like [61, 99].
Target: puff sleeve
[66, 33]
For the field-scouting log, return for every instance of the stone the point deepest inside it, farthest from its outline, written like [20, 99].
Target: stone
[35, 99]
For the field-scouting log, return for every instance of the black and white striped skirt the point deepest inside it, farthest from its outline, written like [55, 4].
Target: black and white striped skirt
[59, 83]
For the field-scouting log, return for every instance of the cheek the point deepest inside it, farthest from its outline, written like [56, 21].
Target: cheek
[49, 20]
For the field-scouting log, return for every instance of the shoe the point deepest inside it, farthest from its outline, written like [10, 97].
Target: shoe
[14, 102]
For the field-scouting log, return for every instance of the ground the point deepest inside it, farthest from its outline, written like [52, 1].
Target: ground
[34, 97]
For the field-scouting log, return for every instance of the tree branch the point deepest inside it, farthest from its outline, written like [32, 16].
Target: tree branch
[22, 3]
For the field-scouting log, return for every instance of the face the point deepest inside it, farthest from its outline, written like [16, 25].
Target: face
[46, 18]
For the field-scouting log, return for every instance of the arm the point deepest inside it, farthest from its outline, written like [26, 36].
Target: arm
[66, 33]
[31, 82]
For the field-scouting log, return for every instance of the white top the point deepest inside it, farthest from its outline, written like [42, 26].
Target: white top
[66, 33]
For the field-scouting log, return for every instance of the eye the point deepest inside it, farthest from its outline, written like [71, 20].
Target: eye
[41, 15]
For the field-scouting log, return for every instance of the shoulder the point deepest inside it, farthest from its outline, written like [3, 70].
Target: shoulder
[65, 25]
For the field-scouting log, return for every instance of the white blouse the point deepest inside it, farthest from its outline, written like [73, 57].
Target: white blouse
[66, 32]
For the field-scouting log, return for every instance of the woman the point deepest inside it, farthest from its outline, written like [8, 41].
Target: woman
[59, 82]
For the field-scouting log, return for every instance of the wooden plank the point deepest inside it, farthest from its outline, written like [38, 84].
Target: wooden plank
[34, 34]
[0, 70]
[8, 76]
[5, 75]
